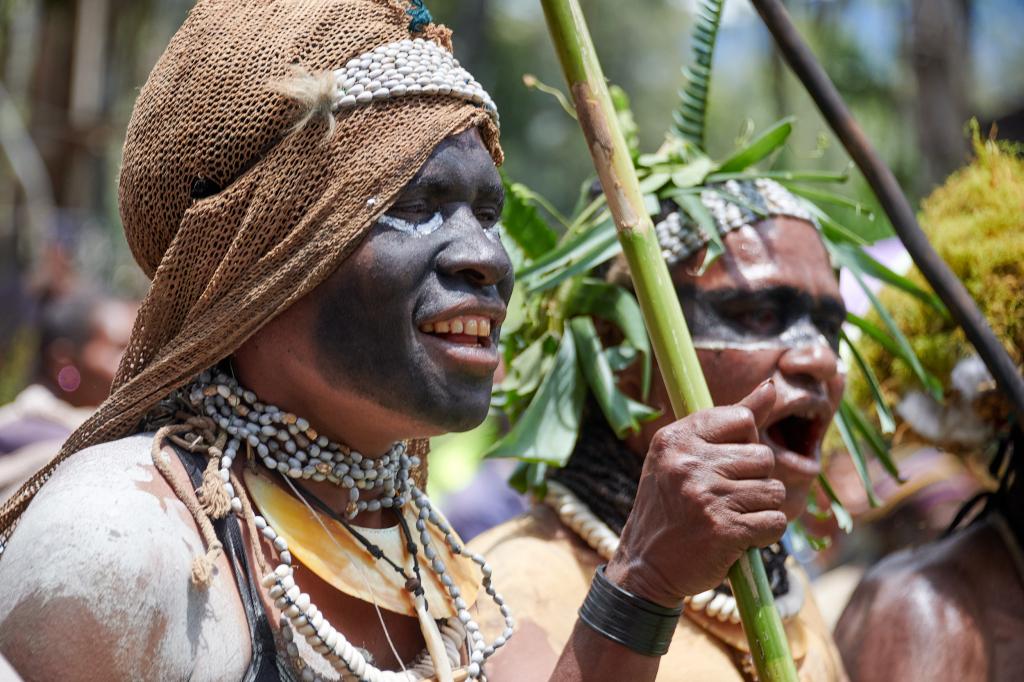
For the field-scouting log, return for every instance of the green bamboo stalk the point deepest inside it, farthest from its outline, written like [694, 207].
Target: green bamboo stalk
[663, 316]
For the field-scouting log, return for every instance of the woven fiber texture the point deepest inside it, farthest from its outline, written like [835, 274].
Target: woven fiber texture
[284, 206]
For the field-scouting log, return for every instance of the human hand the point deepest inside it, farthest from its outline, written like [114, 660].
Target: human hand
[706, 494]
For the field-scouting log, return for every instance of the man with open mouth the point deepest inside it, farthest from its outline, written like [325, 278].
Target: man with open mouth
[767, 310]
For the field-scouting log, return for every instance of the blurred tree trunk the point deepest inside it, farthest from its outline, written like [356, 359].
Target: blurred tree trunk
[939, 50]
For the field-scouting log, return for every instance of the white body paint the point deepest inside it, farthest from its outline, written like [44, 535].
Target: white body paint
[107, 536]
[428, 226]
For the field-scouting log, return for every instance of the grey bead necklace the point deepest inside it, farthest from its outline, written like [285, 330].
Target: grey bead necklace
[289, 445]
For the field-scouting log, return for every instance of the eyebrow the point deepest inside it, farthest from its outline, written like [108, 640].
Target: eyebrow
[441, 185]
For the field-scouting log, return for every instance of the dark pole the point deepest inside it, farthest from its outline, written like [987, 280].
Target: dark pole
[952, 292]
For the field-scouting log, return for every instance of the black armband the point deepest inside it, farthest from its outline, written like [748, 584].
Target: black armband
[632, 621]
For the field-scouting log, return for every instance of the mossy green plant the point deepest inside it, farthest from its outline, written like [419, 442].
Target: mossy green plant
[975, 221]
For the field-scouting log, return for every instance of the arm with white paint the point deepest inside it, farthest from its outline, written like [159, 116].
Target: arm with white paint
[95, 581]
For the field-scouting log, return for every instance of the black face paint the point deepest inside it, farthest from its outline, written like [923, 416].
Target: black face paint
[777, 317]
[435, 253]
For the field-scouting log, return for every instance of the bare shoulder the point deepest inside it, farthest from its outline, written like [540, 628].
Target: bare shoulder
[543, 571]
[918, 615]
[99, 566]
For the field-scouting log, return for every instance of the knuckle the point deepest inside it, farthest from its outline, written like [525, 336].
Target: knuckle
[777, 522]
[763, 458]
[776, 492]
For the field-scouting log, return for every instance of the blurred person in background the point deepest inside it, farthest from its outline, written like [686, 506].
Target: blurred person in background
[82, 336]
[952, 608]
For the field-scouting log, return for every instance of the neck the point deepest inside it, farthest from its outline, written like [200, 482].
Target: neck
[348, 424]
[360, 487]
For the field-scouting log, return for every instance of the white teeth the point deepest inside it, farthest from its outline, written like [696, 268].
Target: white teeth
[463, 324]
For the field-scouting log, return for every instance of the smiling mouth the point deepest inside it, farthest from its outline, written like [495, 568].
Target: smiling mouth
[798, 433]
[463, 330]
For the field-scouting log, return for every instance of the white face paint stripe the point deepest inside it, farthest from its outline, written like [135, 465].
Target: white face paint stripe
[428, 226]
[787, 340]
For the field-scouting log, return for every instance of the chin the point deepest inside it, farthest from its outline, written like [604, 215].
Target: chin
[456, 412]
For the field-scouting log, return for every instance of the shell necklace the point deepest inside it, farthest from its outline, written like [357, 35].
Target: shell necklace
[289, 444]
[603, 540]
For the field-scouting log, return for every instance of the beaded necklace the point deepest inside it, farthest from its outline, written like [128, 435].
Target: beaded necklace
[714, 602]
[289, 445]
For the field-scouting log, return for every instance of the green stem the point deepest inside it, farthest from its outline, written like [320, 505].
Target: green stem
[670, 337]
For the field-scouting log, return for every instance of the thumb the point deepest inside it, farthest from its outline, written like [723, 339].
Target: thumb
[760, 401]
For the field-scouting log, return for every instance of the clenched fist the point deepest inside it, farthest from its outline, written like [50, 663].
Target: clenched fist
[706, 494]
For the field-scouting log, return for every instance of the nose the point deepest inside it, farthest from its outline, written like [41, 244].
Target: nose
[474, 254]
[809, 366]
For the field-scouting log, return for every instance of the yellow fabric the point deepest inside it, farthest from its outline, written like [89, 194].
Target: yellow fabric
[342, 562]
[291, 205]
[545, 573]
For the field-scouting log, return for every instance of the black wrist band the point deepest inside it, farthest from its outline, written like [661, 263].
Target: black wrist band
[632, 621]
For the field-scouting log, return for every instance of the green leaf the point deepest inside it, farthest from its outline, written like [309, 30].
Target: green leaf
[874, 439]
[620, 357]
[931, 384]
[885, 416]
[573, 247]
[547, 429]
[843, 517]
[693, 173]
[782, 176]
[627, 123]
[531, 81]
[536, 481]
[522, 222]
[517, 480]
[833, 230]
[600, 377]
[617, 305]
[699, 213]
[654, 182]
[857, 456]
[599, 252]
[766, 143]
[820, 196]
[525, 371]
[856, 257]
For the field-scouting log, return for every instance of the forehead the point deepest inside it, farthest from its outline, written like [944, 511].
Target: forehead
[775, 252]
[460, 159]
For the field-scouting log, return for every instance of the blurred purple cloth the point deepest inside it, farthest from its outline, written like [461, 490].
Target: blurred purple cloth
[890, 253]
[487, 501]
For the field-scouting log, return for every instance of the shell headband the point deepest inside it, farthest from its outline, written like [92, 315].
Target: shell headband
[732, 205]
[407, 67]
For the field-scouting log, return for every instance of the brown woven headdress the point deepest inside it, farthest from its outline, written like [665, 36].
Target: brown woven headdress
[235, 213]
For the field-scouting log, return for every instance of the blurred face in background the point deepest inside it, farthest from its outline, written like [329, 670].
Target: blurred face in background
[80, 365]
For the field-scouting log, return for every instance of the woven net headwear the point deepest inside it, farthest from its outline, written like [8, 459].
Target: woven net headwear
[285, 206]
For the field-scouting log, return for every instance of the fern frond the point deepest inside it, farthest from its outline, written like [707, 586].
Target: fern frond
[690, 115]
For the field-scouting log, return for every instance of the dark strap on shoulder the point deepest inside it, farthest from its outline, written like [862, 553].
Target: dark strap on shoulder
[264, 665]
